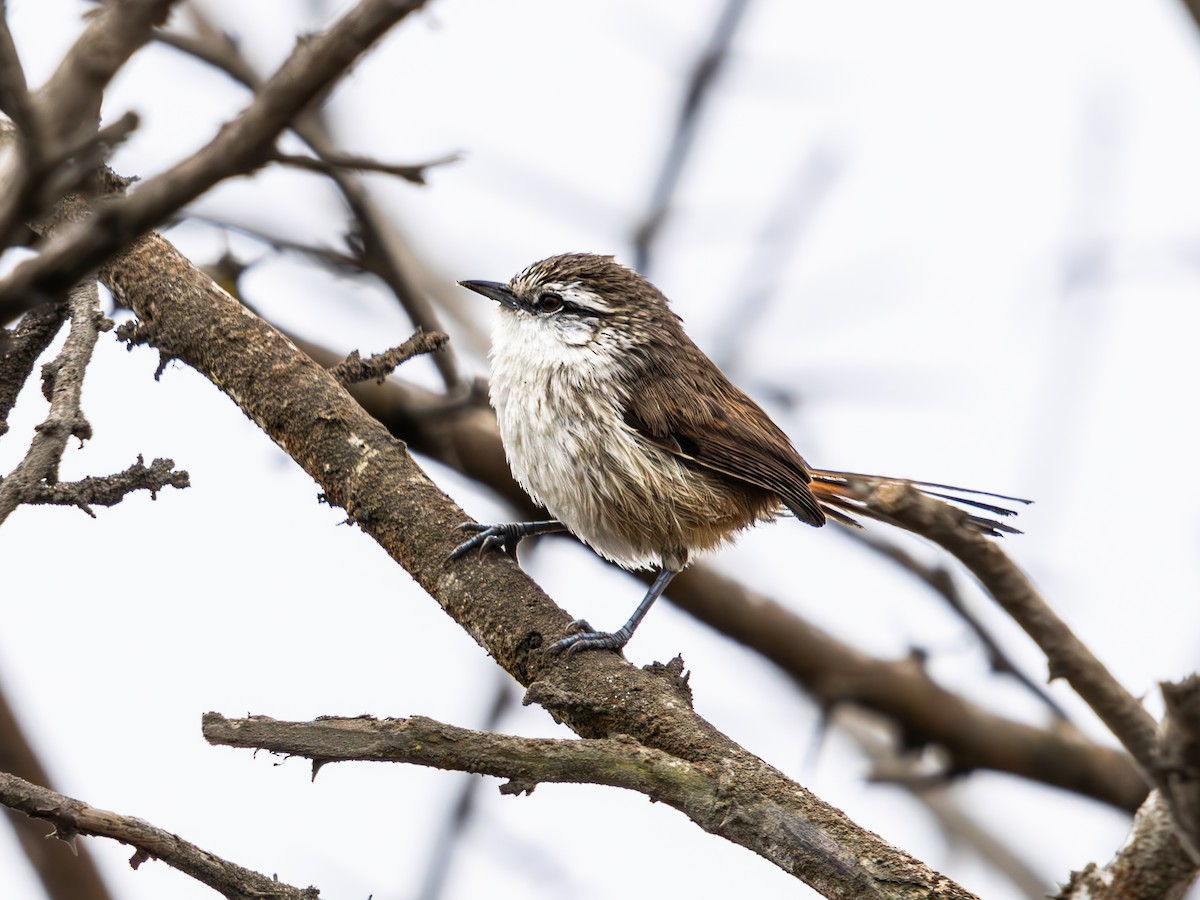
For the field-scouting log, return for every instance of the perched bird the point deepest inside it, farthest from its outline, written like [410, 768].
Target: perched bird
[633, 439]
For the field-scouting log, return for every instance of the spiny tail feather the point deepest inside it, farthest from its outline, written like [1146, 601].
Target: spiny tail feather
[837, 495]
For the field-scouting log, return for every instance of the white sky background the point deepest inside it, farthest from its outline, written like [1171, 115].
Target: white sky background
[992, 282]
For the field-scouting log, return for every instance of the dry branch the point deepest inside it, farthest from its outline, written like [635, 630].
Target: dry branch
[376, 240]
[57, 139]
[523, 762]
[464, 436]
[241, 146]
[63, 385]
[20, 348]
[1179, 759]
[1150, 866]
[109, 490]
[379, 366]
[363, 469]
[1068, 657]
[331, 163]
[73, 817]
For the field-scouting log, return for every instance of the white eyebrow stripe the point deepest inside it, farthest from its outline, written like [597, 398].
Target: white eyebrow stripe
[578, 296]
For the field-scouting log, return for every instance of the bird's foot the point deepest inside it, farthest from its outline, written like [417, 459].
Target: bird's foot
[506, 537]
[586, 639]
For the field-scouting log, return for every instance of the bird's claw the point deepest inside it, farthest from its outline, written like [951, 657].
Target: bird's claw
[486, 536]
[586, 639]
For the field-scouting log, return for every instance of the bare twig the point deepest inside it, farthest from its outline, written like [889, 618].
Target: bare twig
[703, 77]
[63, 383]
[240, 146]
[958, 824]
[73, 817]
[376, 243]
[333, 259]
[1068, 657]
[380, 365]
[69, 102]
[939, 578]
[59, 122]
[109, 490]
[329, 163]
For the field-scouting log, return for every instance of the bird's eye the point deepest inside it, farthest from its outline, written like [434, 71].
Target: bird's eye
[549, 302]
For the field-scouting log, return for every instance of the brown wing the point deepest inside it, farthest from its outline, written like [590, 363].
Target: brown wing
[724, 431]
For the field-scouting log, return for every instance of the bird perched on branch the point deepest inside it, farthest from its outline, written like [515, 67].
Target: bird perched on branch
[633, 439]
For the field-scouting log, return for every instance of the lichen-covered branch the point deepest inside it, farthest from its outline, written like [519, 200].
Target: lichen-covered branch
[73, 817]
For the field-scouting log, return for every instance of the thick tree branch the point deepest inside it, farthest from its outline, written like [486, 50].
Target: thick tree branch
[1150, 866]
[464, 436]
[361, 468]
[1179, 759]
[73, 817]
[524, 762]
[240, 146]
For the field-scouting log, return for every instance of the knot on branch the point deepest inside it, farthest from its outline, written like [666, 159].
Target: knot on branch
[136, 332]
[557, 701]
[675, 676]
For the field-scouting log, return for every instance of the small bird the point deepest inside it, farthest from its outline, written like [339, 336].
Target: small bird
[634, 440]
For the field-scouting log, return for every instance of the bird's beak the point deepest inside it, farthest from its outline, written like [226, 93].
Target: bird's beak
[493, 290]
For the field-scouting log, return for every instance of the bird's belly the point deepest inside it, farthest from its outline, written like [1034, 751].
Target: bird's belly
[629, 501]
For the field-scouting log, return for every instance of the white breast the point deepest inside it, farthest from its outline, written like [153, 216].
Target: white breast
[559, 406]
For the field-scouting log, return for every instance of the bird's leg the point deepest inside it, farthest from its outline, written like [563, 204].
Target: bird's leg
[615, 640]
[505, 536]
